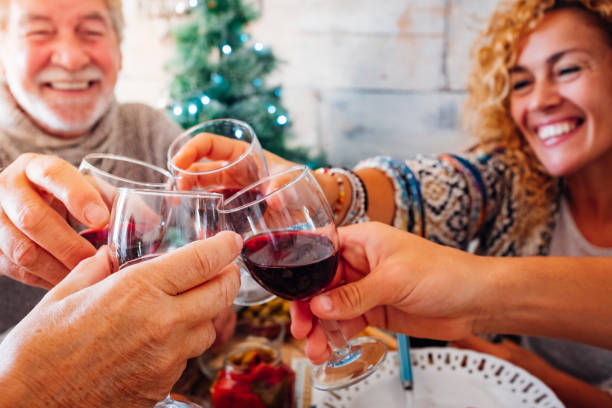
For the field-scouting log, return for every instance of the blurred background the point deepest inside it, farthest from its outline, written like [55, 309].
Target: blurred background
[358, 77]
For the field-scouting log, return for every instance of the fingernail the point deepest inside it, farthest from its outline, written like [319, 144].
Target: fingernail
[95, 214]
[238, 239]
[326, 303]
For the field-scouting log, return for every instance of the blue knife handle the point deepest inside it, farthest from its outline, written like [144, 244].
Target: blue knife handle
[403, 343]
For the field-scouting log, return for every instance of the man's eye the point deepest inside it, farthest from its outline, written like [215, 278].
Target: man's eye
[38, 33]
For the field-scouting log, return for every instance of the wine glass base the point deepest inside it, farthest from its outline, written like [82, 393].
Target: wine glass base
[365, 356]
[170, 403]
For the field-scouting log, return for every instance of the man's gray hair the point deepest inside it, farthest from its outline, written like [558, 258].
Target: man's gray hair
[115, 8]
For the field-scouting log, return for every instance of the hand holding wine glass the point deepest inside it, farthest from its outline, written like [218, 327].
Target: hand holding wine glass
[119, 339]
[220, 154]
[399, 282]
[146, 224]
[291, 248]
[38, 247]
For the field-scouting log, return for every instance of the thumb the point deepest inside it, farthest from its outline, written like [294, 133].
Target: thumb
[351, 300]
[88, 272]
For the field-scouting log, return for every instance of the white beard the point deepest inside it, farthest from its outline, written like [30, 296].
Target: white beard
[37, 108]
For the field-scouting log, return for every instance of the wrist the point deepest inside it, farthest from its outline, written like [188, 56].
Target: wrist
[337, 190]
[328, 184]
[512, 302]
[489, 301]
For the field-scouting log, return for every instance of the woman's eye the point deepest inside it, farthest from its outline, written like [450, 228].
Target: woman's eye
[569, 70]
[519, 85]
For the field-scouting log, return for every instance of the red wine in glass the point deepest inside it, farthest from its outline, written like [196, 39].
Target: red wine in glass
[294, 265]
[136, 248]
[97, 237]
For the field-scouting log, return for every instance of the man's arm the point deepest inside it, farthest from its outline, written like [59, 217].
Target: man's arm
[565, 297]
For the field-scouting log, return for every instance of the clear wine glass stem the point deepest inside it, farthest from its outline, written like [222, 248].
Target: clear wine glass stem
[336, 338]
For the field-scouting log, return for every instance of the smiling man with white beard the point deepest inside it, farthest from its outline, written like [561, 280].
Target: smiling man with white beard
[59, 61]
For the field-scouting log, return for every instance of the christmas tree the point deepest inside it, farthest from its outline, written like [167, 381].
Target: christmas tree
[219, 72]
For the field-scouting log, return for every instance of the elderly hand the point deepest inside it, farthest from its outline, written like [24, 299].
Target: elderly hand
[397, 281]
[38, 247]
[100, 340]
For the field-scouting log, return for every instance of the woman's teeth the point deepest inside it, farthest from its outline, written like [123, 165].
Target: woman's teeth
[557, 129]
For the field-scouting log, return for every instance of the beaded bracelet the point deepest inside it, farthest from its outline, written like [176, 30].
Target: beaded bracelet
[339, 203]
[357, 211]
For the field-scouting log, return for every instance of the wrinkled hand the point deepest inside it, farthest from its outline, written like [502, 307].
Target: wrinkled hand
[100, 340]
[397, 281]
[509, 351]
[38, 247]
[225, 325]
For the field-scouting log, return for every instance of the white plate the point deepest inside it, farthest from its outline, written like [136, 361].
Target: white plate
[444, 378]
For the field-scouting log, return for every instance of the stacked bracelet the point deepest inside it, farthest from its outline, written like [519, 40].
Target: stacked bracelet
[357, 211]
[339, 203]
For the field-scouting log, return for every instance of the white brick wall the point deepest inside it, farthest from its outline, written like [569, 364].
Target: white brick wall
[359, 77]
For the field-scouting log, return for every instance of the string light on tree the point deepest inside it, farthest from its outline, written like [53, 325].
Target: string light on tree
[282, 120]
[177, 110]
[226, 49]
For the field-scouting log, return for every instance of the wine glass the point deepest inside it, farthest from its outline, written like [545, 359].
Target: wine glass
[291, 248]
[107, 172]
[147, 223]
[226, 170]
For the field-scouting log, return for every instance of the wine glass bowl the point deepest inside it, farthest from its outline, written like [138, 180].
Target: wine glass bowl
[147, 223]
[107, 172]
[222, 156]
[291, 248]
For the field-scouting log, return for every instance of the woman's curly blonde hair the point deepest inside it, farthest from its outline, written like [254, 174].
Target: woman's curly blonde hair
[487, 110]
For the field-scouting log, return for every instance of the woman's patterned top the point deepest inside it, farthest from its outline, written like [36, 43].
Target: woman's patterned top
[456, 200]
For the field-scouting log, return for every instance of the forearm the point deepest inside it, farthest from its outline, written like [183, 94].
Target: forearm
[575, 393]
[381, 196]
[567, 298]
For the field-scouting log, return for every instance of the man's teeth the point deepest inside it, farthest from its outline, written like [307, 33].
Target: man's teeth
[557, 129]
[70, 86]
